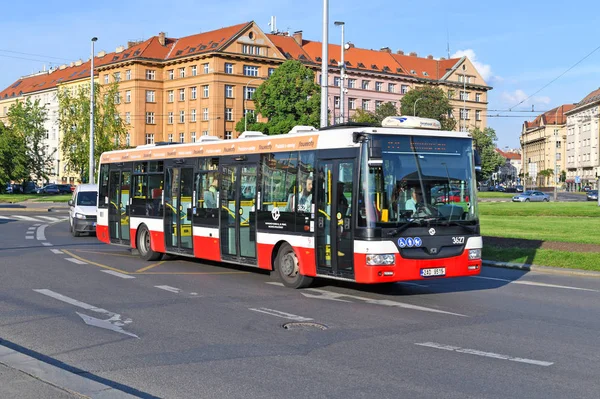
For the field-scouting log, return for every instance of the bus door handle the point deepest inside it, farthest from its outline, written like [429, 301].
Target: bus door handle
[320, 222]
[347, 224]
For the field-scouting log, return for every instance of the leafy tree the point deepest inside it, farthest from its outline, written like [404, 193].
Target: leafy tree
[74, 123]
[545, 175]
[288, 98]
[383, 111]
[485, 144]
[432, 103]
[362, 116]
[27, 119]
[13, 156]
[252, 124]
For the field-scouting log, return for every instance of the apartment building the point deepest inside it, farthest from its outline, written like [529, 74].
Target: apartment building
[583, 142]
[544, 143]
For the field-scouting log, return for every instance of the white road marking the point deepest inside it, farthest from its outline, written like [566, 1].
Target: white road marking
[25, 218]
[566, 287]
[278, 313]
[274, 283]
[79, 262]
[47, 244]
[36, 225]
[484, 354]
[29, 237]
[56, 251]
[3, 217]
[113, 323]
[40, 232]
[168, 288]
[51, 218]
[114, 273]
[31, 228]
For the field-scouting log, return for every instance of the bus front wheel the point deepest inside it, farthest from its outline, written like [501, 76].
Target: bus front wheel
[288, 268]
[143, 245]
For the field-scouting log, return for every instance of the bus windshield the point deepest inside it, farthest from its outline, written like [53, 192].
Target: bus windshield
[419, 179]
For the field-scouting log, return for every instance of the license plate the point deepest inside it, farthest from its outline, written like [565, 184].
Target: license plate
[436, 271]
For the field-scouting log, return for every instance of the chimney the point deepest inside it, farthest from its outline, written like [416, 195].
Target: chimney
[71, 64]
[101, 54]
[78, 62]
[413, 54]
[298, 37]
[386, 49]
[119, 49]
[161, 38]
[350, 45]
[430, 57]
[400, 52]
[63, 66]
[442, 58]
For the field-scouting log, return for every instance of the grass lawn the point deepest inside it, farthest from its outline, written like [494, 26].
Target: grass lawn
[571, 222]
[495, 194]
[14, 198]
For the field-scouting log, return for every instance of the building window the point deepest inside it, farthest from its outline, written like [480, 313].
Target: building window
[391, 87]
[250, 49]
[337, 81]
[127, 96]
[182, 137]
[351, 83]
[182, 72]
[171, 74]
[228, 135]
[378, 104]
[336, 102]
[150, 118]
[128, 117]
[150, 96]
[250, 70]
[151, 75]
[170, 137]
[352, 103]
[128, 74]
[404, 89]
[193, 137]
[181, 116]
[478, 97]
[149, 138]
[205, 68]
[205, 114]
[205, 132]
[106, 79]
[170, 118]
[249, 93]
[194, 70]
[205, 91]
[170, 96]
[228, 68]
[271, 70]
[464, 95]
[128, 139]
[365, 105]
[118, 98]
[477, 115]
[464, 113]
[228, 114]
[117, 76]
[365, 85]
[379, 86]
[193, 93]
[193, 116]
[228, 91]
[181, 94]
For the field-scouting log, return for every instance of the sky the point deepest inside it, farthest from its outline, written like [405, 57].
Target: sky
[518, 46]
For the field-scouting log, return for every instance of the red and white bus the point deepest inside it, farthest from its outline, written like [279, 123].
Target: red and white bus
[363, 204]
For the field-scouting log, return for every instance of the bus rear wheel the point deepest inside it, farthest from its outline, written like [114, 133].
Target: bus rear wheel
[288, 268]
[143, 245]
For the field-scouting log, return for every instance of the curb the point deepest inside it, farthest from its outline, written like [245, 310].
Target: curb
[38, 210]
[539, 268]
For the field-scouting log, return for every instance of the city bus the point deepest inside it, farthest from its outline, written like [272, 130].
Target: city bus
[367, 204]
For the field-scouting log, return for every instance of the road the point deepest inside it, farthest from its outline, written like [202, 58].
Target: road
[188, 329]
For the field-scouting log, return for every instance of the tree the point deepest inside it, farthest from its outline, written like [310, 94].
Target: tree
[252, 124]
[485, 144]
[74, 123]
[362, 116]
[288, 98]
[26, 119]
[13, 156]
[545, 175]
[432, 103]
[383, 111]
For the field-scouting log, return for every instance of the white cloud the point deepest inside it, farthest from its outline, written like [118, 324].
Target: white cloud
[484, 70]
[511, 99]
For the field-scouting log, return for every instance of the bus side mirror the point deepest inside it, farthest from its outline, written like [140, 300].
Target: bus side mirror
[477, 162]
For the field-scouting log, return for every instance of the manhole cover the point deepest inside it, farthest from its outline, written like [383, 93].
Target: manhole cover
[304, 326]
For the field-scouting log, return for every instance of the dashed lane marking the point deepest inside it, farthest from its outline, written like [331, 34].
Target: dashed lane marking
[566, 287]
[117, 274]
[168, 288]
[79, 262]
[56, 251]
[95, 263]
[47, 244]
[278, 313]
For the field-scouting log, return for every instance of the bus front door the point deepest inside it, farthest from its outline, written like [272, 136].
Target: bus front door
[179, 193]
[335, 242]
[119, 185]
[238, 212]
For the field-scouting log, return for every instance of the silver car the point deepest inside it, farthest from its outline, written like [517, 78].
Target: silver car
[592, 195]
[533, 196]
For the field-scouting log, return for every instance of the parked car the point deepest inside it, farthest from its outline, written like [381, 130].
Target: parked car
[533, 196]
[586, 188]
[66, 188]
[453, 196]
[592, 195]
[29, 188]
[82, 209]
[519, 189]
[49, 189]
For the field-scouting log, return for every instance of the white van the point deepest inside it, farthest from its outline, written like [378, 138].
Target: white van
[82, 209]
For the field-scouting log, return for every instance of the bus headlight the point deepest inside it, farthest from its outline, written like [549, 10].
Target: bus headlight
[475, 253]
[380, 259]
[80, 216]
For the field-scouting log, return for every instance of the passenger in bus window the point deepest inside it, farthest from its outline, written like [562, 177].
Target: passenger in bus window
[305, 196]
[210, 196]
[342, 205]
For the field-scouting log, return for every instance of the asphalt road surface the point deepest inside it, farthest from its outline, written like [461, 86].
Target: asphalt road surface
[189, 329]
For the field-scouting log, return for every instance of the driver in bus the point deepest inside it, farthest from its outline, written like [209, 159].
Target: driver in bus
[413, 201]
[210, 196]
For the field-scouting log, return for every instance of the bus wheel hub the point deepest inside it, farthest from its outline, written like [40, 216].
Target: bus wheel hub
[289, 265]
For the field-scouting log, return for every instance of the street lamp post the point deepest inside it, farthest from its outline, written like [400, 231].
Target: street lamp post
[244, 104]
[342, 70]
[91, 164]
[324, 63]
[415, 106]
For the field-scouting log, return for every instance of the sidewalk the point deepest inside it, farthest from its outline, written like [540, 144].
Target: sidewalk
[17, 384]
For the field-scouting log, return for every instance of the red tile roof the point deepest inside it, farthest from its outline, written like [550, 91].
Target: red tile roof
[508, 155]
[550, 117]
[592, 97]
[289, 47]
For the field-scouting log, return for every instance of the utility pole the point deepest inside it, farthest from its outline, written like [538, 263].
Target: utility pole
[324, 64]
[92, 164]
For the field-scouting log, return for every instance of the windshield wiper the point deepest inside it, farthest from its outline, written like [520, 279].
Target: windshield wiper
[403, 227]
